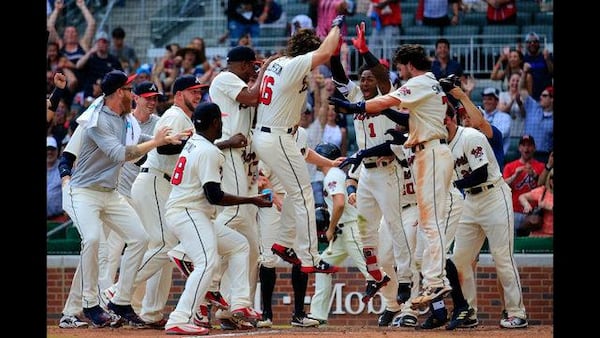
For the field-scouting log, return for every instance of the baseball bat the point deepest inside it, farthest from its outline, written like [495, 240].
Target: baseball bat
[329, 247]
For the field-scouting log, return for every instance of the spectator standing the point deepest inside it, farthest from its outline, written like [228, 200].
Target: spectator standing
[443, 65]
[435, 12]
[242, 18]
[501, 12]
[539, 120]
[96, 62]
[386, 20]
[123, 51]
[70, 45]
[58, 63]
[494, 116]
[541, 62]
[327, 11]
[522, 176]
[270, 11]
[510, 62]
[510, 102]
[543, 197]
[54, 210]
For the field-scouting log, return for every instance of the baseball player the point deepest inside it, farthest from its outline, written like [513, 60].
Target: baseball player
[487, 214]
[146, 97]
[380, 181]
[269, 229]
[283, 95]
[342, 234]
[426, 103]
[190, 209]
[149, 192]
[108, 141]
[231, 91]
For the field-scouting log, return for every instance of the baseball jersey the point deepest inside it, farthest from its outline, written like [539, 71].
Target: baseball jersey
[426, 118]
[301, 137]
[369, 129]
[471, 150]
[406, 157]
[223, 90]
[178, 121]
[200, 162]
[283, 91]
[333, 184]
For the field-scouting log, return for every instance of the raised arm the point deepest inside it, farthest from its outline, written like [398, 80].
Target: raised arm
[51, 23]
[90, 29]
[329, 44]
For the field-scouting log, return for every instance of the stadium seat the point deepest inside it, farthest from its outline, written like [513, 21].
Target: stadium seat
[461, 34]
[544, 31]
[424, 35]
[408, 19]
[543, 18]
[524, 19]
[500, 34]
[527, 6]
[474, 18]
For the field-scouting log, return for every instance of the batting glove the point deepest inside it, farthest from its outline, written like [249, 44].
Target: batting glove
[338, 21]
[449, 83]
[360, 42]
[399, 137]
[347, 107]
[354, 160]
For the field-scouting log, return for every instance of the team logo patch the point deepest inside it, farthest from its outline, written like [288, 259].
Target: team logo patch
[477, 152]
[404, 91]
[331, 185]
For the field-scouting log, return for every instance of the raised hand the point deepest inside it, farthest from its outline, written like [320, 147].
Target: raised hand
[347, 107]
[360, 42]
[338, 21]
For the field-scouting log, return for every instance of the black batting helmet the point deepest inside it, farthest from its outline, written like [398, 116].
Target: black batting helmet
[328, 150]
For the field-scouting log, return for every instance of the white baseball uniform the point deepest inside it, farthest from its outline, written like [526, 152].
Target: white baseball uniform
[149, 193]
[347, 244]
[240, 163]
[378, 189]
[283, 95]
[190, 217]
[426, 102]
[487, 213]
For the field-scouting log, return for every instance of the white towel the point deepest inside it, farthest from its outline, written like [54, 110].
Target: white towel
[89, 118]
[133, 130]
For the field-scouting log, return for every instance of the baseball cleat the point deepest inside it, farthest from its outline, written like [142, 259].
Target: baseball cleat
[373, 287]
[244, 318]
[287, 254]
[322, 267]
[406, 320]
[185, 267]
[434, 321]
[158, 325]
[403, 292]
[304, 321]
[72, 322]
[217, 299]
[186, 329]
[127, 313]
[427, 295]
[513, 323]
[387, 317]
[459, 316]
[98, 316]
[201, 317]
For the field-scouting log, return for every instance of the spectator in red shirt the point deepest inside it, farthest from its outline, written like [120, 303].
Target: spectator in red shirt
[522, 176]
[501, 12]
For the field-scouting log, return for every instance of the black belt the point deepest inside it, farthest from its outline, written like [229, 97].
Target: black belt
[407, 205]
[167, 177]
[477, 190]
[341, 225]
[268, 130]
[371, 165]
[421, 146]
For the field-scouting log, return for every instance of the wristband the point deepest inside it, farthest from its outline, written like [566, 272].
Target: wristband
[351, 189]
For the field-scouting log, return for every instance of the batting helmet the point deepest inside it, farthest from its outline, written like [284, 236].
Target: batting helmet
[322, 218]
[328, 150]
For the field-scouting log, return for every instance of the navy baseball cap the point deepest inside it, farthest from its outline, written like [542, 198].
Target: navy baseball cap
[114, 80]
[206, 111]
[187, 82]
[146, 89]
[526, 138]
[241, 53]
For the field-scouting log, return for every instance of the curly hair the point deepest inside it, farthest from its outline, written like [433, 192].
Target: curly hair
[415, 54]
[303, 41]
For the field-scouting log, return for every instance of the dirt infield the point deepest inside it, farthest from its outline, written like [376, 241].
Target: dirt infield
[538, 331]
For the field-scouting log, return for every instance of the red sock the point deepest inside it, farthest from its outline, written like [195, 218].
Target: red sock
[372, 266]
